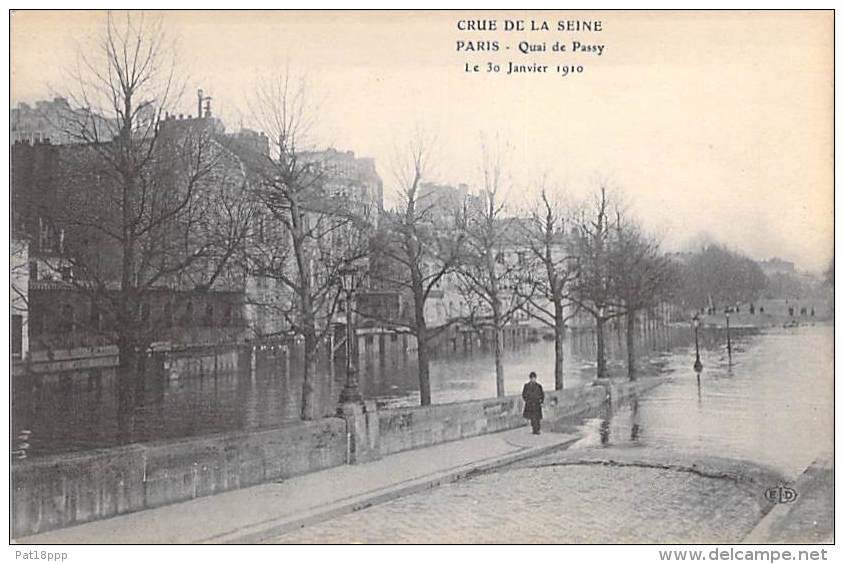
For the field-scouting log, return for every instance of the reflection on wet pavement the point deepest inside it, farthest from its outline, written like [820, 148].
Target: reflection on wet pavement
[773, 406]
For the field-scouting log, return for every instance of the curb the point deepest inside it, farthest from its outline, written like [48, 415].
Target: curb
[762, 533]
[263, 531]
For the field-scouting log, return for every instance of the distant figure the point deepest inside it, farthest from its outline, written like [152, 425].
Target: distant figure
[635, 419]
[533, 395]
[761, 309]
[813, 311]
[752, 310]
[791, 311]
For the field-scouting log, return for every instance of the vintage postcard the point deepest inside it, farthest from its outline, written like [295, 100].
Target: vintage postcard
[422, 277]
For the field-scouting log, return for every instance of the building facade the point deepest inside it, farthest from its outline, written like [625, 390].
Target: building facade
[65, 212]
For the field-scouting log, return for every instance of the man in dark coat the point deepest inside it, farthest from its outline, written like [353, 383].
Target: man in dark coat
[534, 396]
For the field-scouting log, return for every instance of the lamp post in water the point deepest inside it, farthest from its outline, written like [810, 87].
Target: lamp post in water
[729, 342]
[698, 366]
[599, 333]
[351, 390]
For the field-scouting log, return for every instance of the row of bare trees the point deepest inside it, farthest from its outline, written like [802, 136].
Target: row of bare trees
[550, 262]
[179, 208]
[142, 203]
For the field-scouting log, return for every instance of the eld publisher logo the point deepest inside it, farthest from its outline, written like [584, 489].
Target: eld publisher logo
[781, 494]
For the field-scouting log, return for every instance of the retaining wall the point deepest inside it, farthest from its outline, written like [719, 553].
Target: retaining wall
[63, 490]
[415, 427]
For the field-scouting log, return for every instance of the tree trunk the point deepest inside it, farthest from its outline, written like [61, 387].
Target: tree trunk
[422, 356]
[127, 318]
[424, 365]
[601, 357]
[497, 345]
[424, 375]
[631, 347]
[298, 232]
[309, 372]
[499, 366]
[559, 337]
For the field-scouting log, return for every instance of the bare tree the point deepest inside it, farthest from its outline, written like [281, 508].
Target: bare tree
[489, 278]
[423, 240]
[644, 276]
[145, 203]
[321, 232]
[595, 288]
[552, 271]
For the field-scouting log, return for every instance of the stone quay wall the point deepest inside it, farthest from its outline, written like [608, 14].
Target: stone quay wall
[63, 490]
[415, 427]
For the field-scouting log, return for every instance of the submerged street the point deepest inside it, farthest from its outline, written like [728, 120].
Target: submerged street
[677, 463]
[688, 462]
[202, 394]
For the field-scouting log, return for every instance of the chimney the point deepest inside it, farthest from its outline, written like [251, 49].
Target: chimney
[199, 99]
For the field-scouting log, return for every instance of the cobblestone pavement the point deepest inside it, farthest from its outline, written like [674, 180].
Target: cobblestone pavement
[586, 496]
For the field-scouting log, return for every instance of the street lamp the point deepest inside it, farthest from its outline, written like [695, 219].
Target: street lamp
[351, 391]
[729, 342]
[602, 363]
[698, 364]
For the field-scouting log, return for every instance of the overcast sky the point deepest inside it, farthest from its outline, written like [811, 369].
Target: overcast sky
[711, 123]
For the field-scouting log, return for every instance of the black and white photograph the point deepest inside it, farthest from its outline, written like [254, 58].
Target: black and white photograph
[426, 277]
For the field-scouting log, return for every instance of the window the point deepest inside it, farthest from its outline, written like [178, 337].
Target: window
[187, 317]
[36, 323]
[208, 319]
[66, 320]
[17, 336]
[43, 235]
[94, 317]
[168, 314]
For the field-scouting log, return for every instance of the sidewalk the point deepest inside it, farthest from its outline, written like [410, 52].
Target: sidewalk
[254, 514]
[810, 518]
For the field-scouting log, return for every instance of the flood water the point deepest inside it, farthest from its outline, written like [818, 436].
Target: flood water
[225, 391]
[773, 406]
